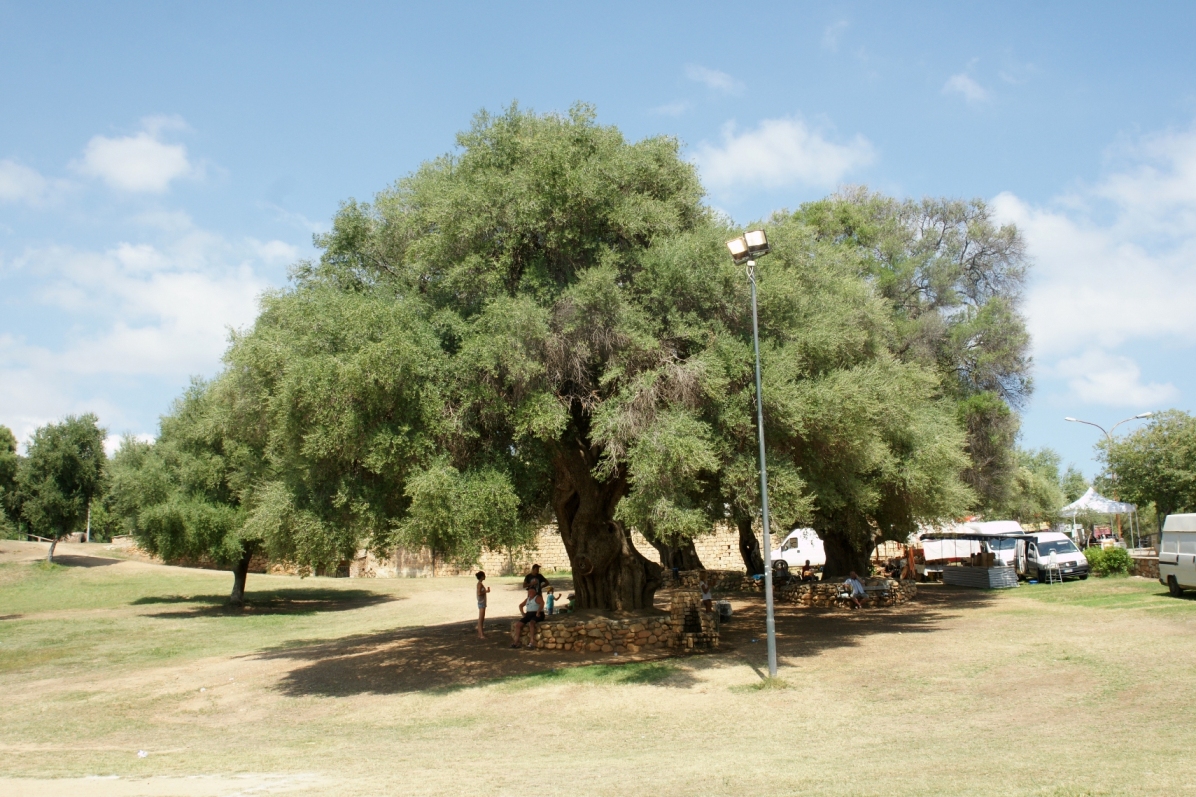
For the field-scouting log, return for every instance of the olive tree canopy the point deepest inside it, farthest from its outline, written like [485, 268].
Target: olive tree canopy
[545, 324]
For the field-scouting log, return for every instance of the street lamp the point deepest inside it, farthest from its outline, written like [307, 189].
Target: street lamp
[1109, 437]
[745, 249]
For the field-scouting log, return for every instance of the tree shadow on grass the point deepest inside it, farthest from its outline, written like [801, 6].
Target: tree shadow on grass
[803, 632]
[288, 601]
[447, 658]
[75, 560]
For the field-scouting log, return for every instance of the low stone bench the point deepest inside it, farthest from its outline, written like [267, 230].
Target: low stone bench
[686, 627]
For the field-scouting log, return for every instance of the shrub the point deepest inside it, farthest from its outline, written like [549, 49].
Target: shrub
[1108, 561]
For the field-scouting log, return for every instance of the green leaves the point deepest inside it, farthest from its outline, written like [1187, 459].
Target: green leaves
[551, 308]
[458, 514]
[1155, 463]
[61, 474]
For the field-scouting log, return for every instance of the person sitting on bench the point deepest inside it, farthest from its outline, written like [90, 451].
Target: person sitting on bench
[858, 593]
[807, 571]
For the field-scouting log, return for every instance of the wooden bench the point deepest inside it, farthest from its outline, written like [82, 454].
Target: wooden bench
[870, 590]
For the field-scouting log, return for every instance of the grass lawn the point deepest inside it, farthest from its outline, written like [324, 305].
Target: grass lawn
[338, 686]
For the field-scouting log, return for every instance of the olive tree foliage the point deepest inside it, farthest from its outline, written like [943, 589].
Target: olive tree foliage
[1155, 463]
[1037, 489]
[60, 475]
[545, 323]
[859, 445]
[516, 260]
[10, 508]
[953, 279]
[181, 497]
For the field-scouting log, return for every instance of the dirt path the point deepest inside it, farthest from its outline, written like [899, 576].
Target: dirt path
[192, 786]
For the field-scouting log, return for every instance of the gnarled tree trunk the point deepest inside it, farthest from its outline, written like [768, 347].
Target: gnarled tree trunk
[847, 540]
[240, 573]
[683, 556]
[608, 572]
[749, 546]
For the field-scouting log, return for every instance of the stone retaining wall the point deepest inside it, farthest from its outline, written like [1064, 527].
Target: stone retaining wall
[823, 594]
[718, 551]
[1145, 566]
[685, 627]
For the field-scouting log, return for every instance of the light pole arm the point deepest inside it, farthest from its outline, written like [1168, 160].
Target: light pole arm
[1097, 425]
[1127, 420]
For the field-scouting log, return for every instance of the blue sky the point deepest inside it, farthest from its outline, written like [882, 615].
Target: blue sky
[162, 164]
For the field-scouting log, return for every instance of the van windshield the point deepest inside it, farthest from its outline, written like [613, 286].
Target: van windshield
[999, 544]
[1058, 546]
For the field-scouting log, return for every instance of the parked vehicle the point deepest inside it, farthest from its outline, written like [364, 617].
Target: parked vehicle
[1005, 548]
[1005, 539]
[1070, 560]
[1177, 554]
[798, 546]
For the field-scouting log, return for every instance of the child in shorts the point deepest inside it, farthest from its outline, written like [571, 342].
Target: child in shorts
[530, 608]
[482, 591]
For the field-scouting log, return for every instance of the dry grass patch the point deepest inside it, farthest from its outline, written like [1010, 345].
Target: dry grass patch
[372, 687]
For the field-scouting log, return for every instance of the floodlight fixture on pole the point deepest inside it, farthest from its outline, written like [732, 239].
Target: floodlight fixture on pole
[745, 249]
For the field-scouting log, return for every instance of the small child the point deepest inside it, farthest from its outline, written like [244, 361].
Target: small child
[549, 601]
[572, 606]
[482, 591]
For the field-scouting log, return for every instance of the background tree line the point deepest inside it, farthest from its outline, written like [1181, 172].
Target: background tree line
[544, 326]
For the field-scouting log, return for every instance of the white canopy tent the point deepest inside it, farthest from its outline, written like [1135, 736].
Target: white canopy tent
[1094, 503]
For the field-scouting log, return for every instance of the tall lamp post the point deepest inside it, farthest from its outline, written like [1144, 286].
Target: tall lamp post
[1109, 437]
[745, 249]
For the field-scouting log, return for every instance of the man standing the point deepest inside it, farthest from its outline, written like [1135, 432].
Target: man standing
[534, 580]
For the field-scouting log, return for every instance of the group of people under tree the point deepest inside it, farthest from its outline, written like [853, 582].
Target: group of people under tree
[539, 601]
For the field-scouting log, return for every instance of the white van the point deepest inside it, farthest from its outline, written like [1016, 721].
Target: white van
[798, 546]
[1177, 554]
[1071, 561]
[1004, 547]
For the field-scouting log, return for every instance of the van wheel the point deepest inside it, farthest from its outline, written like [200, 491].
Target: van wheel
[1084, 577]
[1041, 577]
[1173, 587]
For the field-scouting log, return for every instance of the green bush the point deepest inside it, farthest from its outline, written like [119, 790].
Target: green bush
[1108, 561]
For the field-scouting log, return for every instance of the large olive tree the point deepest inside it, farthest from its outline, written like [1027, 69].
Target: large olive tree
[545, 324]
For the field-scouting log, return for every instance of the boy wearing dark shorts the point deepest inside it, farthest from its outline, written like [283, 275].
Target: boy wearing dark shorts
[530, 609]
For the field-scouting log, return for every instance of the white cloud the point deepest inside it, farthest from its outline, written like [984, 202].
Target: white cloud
[780, 152]
[963, 85]
[1113, 270]
[713, 79]
[135, 314]
[832, 33]
[275, 251]
[1097, 377]
[20, 183]
[140, 163]
[672, 109]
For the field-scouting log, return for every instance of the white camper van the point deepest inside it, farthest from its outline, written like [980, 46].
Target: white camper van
[1177, 554]
[798, 546]
[1056, 547]
[1004, 547]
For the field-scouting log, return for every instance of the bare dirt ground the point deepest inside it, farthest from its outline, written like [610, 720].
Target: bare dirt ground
[356, 687]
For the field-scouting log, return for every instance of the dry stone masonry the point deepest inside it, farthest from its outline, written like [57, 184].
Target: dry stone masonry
[685, 628]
